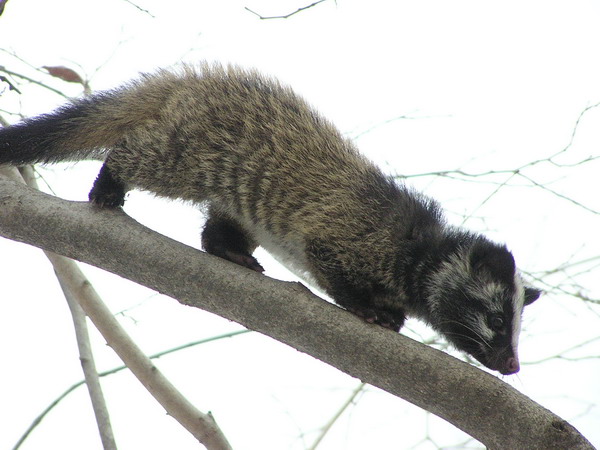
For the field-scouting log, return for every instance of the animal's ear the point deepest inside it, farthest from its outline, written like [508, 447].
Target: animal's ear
[496, 260]
[531, 295]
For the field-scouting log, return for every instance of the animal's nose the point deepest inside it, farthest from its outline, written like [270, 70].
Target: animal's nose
[512, 365]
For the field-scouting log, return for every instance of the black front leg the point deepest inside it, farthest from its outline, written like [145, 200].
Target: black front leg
[352, 290]
[393, 320]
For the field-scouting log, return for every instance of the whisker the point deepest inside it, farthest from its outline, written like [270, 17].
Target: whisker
[474, 331]
[465, 337]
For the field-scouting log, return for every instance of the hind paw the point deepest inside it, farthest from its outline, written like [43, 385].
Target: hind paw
[108, 191]
[107, 199]
[244, 260]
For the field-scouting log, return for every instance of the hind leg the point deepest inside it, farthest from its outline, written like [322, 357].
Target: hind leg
[108, 191]
[224, 237]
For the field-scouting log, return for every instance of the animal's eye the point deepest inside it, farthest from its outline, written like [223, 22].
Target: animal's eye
[497, 323]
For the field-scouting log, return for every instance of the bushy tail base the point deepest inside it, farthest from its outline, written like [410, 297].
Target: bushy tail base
[76, 131]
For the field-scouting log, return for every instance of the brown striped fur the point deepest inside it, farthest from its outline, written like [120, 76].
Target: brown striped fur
[275, 173]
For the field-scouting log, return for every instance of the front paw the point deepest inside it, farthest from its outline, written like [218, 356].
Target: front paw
[383, 318]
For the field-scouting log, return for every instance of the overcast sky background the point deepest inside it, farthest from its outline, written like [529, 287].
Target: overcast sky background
[422, 87]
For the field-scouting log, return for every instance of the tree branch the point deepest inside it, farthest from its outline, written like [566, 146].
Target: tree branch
[202, 426]
[112, 371]
[139, 8]
[428, 378]
[78, 290]
[86, 356]
[89, 370]
[323, 432]
[284, 16]
[31, 80]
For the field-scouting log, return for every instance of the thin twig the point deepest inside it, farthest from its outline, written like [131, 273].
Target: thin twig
[337, 415]
[89, 370]
[145, 11]
[31, 80]
[570, 349]
[519, 171]
[385, 122]
[39, 418]
[575, 128]
[113, 371]
[285, 16]
[488, 198]
[558, 194]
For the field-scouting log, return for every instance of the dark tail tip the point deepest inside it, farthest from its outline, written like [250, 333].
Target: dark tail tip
[68, 133]
[28, 142]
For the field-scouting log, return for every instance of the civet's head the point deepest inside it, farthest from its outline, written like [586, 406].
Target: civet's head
[476, 299]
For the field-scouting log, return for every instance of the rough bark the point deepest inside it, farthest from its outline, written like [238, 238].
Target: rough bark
[478, 403]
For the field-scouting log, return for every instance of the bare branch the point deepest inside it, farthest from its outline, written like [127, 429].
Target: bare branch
[89, 370]
[2, 5]
[561, 354]
[490, 195]
[75, 285]
[558, 194]
[549, 159]
[31, 80]
[86, 355]
[118, 369]
[39, 418]
[453, 390]
[337, 415]
[285, 16]
[574, 132]
[520, 171]
[85, 350]
[139, 8]
[201, 426]
[11, 85]
[388, 121]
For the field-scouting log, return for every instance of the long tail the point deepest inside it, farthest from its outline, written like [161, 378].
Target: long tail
[79, 130]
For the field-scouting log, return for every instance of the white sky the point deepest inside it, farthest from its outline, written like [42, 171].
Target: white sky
[489, 85]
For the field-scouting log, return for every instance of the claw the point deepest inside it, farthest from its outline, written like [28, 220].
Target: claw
[244, 260]
[382, 318]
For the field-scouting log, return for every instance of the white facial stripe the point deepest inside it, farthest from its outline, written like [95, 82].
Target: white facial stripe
[518, 301]
[488, 293]
[483, 330]
[455, 273]
[450, 273]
